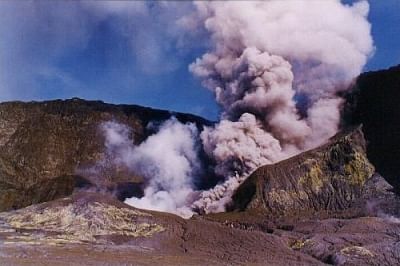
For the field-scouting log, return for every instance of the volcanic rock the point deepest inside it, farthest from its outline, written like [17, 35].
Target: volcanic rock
[89, 228]
[329, 178]
[44, 145]
[371, 237]
[357, 241]
[374, 102]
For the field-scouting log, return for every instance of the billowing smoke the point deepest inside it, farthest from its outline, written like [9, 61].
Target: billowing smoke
[275, 69]
[167, 160]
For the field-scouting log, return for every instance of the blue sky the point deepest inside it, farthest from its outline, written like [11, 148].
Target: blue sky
[129, 52]
[385, 19]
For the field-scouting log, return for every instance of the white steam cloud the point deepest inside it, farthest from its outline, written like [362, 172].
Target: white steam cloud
[276, 68]
[265, 55]
[167, 160]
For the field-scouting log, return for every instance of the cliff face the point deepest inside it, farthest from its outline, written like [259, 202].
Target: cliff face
[328, 178]
[43, 144]
[375, 102]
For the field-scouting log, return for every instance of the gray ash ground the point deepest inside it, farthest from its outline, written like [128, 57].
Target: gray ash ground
[33, 236]
[93, 229]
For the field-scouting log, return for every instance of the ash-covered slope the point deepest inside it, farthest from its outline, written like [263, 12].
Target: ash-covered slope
[375, 102]
[43, 144]
[88, 229]
[329, 178]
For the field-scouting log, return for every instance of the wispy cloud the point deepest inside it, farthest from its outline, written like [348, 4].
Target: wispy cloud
[37, 35]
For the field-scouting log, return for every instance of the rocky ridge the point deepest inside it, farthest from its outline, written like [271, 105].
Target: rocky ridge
[45, 144]
[329, 178]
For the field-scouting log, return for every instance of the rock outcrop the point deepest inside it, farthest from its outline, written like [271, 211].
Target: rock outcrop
[42, 144]
[82, 218]
[329, 178]
[375, 102]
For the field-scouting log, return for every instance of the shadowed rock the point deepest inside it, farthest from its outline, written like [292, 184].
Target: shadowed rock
[375, 102]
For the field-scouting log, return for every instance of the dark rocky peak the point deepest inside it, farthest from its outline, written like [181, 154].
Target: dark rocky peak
[374, 102]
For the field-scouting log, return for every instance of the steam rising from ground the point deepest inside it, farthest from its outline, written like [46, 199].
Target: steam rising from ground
[276, 69]
[265, 55]
[167, 160]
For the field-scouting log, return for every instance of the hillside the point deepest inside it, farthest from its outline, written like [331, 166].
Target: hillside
[47, 146]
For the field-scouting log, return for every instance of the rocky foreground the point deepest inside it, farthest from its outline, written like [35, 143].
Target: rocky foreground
[92, 229]
[88, 229]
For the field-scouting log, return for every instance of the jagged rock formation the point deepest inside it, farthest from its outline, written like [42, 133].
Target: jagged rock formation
[44, 143]
[374, 102]
[328, 178]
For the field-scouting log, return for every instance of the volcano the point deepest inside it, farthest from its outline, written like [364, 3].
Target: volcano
[334, 204]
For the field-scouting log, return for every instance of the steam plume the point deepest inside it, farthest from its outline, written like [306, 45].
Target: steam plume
[167, 160]
[276, 68]
[266, 55]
